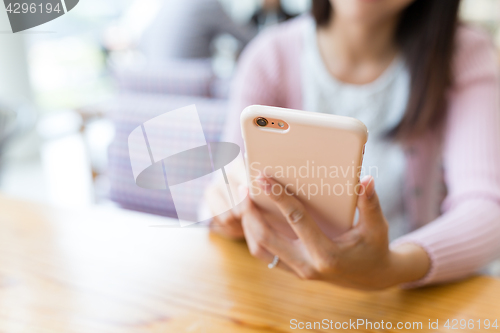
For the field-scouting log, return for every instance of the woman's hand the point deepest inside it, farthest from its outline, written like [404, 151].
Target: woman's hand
[227, 224]
[360, 258]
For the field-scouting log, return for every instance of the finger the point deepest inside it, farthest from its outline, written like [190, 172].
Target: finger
[229, 228]
[304, 226]
[227, 224]
[370, 215]
[262, 237]
[217, 200]
[242, 193]
[369, 208]
[262, 253]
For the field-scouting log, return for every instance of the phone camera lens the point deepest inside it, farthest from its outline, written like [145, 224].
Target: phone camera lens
[262, 122]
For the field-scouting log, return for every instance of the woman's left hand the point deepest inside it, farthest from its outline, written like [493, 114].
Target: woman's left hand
[360, 258]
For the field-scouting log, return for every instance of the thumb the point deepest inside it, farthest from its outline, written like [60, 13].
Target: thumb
[244, 200]
[368, 203]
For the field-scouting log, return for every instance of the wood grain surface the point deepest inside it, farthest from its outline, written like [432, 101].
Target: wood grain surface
[105, 270]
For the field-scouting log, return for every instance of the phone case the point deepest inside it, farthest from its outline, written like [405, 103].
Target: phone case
[318, 157]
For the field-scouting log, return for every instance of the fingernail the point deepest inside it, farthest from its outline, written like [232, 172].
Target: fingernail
[370, 188]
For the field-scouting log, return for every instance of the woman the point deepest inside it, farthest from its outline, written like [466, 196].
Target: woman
[428, 91]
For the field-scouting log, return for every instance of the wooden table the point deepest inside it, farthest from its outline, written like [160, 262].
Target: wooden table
[103, 270]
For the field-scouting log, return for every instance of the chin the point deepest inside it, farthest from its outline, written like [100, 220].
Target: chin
[368, 10]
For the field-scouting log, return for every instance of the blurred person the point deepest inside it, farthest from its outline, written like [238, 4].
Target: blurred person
[427, 87]
[187, 28]
[124, 33]
[270, 13]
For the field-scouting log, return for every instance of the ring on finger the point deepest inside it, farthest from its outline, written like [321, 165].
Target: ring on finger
[274, 263]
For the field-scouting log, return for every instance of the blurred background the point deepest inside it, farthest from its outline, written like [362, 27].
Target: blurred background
[72, 90]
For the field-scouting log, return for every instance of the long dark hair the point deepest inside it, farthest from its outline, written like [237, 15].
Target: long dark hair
[426, 38]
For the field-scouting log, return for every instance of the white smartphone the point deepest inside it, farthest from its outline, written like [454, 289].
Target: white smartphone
[318, 157]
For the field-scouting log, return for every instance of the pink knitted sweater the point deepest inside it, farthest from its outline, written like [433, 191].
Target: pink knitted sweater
[458, 224]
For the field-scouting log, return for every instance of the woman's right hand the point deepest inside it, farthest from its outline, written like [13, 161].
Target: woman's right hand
[227, 224]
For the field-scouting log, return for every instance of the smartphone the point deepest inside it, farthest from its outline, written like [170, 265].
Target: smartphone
[317, 157]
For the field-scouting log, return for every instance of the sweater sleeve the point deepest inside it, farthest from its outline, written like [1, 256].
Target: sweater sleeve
[466, 236]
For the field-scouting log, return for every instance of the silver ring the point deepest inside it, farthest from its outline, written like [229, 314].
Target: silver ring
[275, 262]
